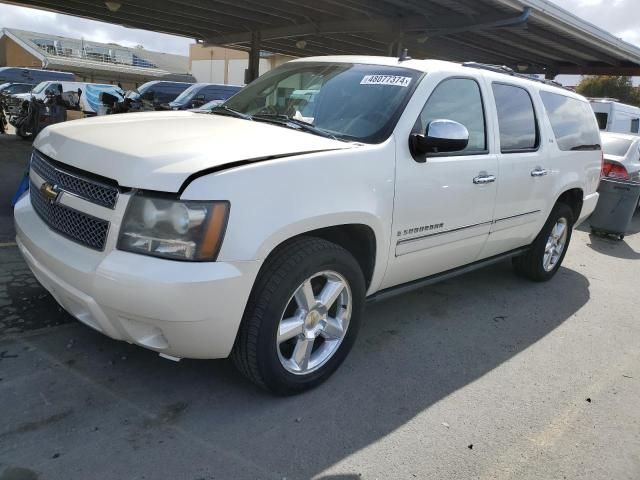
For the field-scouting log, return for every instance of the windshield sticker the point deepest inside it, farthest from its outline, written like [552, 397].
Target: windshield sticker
[386, 80]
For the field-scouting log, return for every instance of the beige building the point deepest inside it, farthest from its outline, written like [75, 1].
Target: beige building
[224, 65]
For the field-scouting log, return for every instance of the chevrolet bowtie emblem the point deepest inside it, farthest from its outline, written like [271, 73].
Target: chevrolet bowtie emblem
[49, 191]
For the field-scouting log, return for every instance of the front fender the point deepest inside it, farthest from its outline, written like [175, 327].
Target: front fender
[278, 199]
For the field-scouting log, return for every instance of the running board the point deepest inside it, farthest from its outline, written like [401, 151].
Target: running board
[439, 277]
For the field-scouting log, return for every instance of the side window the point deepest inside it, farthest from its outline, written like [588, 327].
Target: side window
[603, 119]
[516, 119]
[572, 122]
[165, 95]
[460, 100]
[635, 125]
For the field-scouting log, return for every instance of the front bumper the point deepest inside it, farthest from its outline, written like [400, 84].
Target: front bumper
[181, 309]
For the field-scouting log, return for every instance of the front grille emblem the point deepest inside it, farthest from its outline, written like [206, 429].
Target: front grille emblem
[50, 192]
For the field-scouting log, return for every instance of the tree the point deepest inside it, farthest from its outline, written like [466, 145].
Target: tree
[599, 86]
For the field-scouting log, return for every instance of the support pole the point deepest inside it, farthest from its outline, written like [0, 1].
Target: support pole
[254, 58]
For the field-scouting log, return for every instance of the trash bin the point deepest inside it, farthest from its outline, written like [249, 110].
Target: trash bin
[616, 206]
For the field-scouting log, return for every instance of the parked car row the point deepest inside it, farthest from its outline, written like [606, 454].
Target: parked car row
[29, 107]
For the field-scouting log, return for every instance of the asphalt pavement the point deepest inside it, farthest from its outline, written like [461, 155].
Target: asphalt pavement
[485, 376]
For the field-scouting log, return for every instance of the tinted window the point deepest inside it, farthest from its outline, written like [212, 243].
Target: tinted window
[635, 125]
[516, 118]
[603, 119]
[460, 100]
[572, 122]
[165, 94]
[615, 146]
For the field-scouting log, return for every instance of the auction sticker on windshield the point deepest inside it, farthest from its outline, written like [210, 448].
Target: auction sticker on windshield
[386, 80]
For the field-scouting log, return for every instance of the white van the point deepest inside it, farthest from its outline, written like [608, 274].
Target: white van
[259, 230]
[616, 117]
[69, 93]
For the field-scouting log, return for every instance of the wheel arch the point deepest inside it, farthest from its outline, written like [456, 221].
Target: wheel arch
[573, 198]
[359, 239]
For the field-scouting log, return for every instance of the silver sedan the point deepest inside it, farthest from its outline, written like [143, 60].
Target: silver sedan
[621, 156]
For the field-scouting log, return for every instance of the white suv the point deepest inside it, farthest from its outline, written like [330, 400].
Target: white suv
[258, 231]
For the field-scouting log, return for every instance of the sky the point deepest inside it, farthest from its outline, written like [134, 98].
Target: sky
[620, 17]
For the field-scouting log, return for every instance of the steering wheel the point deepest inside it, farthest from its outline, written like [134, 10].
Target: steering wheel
[268, 110]
[375, 117]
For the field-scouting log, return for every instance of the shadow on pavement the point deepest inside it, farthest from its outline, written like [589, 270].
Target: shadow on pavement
[78, 394]
[613, 247]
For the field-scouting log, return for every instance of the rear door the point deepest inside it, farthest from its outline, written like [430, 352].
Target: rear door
[524, 169]
[444, 202]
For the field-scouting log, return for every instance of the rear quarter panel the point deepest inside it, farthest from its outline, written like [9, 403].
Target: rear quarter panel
[571, 169]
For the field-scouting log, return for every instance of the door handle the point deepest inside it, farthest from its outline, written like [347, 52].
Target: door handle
[539, 172]
[483, 179]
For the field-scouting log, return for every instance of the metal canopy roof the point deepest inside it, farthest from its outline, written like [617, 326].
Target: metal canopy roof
[530, 35]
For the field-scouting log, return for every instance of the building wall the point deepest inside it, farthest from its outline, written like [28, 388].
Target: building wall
[225, 65]
[12, 55]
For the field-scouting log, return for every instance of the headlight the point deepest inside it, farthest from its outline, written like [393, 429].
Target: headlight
[175, 229]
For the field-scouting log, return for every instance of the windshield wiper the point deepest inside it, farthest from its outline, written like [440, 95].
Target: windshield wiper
[224, 110]
[292, 122]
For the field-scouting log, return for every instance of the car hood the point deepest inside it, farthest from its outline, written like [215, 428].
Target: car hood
[160, 150]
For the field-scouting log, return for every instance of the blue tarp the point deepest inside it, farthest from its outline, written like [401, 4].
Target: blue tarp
[92, 94]
[23, 187]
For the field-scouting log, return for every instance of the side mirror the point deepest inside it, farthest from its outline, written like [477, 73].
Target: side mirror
[441, 136]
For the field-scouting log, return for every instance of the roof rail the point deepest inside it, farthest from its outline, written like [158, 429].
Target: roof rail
[603, 99]
[511, 72]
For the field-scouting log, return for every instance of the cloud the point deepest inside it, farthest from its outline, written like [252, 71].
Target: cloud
[619, 17]
[67, 26]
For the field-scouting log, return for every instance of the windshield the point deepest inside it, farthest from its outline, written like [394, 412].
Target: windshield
[616, 146]
[185, 96]
[349, 101]
[40, 87]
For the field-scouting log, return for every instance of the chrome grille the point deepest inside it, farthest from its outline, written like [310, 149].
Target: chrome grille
[90, 190]
[80, 227]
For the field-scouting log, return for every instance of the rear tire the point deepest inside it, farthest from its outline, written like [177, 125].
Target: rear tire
[302, 317]
[543, 260]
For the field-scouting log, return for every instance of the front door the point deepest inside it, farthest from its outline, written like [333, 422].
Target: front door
[444, 202]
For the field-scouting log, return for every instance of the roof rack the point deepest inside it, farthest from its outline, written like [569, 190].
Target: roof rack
[511, 72]
[603, 99]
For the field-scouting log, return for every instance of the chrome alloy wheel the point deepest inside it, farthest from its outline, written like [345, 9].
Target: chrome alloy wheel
[556, 244]
[314, 322]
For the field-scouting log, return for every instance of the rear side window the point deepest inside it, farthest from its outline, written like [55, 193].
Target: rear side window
[165, 94]
[635, 125]
[460, 100]
[516, 119]
[572, 122]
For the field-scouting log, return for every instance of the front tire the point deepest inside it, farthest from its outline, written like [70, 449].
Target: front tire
[544, 258]
[302, 317]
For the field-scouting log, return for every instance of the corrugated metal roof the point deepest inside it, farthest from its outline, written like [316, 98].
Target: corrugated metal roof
[82, 55]
[532, 34]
